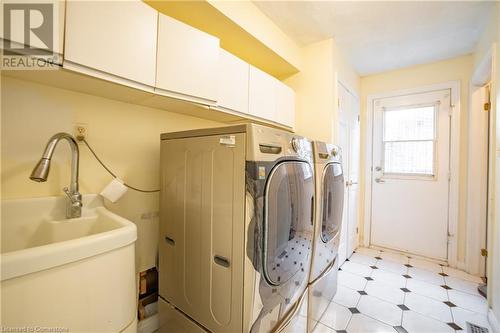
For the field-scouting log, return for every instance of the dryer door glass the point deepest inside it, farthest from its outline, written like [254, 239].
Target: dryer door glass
[288, 221]
[333, 201]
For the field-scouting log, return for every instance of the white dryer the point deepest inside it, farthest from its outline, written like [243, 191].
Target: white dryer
[236, 229]
[327, 228]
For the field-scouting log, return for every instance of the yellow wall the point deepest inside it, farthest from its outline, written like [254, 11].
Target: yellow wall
[413, 77]
[242, 29]
[256, 23]
[316, 90]
[125, 136]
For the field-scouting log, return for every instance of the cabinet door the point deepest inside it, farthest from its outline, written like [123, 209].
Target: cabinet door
[187, 60]
[202, 209]
[233, 82]
[262, 95]
[285, 105]
[115, 37]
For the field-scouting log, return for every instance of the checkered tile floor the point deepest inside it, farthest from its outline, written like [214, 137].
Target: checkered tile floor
[387, 292]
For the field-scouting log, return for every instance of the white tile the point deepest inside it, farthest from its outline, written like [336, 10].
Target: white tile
[391, 266]
[336, 316]
[346, 296]
[462, 285]
[461, 275]
[368, 252]
[351, 280]
[320, 328]
[427, 265]
[363, 324]
[426, 276]
[380, 310]
[468, 301]
[363, 259]
[298, 324]
[428, 307]
[427, 289]
[416, 323]
[385, 291]
[388, 277]
[461, 316]
[358, 269]
[394, 257]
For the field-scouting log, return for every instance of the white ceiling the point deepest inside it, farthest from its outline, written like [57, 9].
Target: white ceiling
[378, 36]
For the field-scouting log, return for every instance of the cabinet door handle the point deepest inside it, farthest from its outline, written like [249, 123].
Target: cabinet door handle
[379, 180]
[219, 260]
[169, 240]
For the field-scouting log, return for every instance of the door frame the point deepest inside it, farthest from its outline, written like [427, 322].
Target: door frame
[476, 230]
[454, 162]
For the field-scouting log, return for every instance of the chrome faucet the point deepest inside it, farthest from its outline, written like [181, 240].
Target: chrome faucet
[42, 168]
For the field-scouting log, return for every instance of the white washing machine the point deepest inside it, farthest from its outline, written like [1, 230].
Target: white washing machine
[236, 228]
[328, 223]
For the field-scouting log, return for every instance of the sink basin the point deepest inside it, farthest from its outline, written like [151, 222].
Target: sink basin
[36, 235]
[83, 267]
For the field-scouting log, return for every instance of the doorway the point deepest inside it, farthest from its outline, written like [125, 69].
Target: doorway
[411, 148]
[411, 203]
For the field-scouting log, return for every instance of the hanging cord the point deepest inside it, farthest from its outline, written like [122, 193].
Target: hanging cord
[111, 172]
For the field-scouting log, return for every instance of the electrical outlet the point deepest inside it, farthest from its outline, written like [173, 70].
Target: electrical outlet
[80, 131]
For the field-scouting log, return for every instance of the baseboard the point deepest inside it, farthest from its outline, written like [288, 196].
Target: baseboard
[494, 323]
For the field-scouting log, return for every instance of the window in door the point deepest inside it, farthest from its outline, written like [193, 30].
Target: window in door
[409, 141]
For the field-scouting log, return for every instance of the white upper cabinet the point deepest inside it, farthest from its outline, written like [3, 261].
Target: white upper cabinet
[114, 37]
[285, 105]
[188, 61]
[232, 82]
[270, 99]
[262, 95]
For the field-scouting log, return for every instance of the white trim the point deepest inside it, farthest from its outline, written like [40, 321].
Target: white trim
[454, 87]
[493, 320]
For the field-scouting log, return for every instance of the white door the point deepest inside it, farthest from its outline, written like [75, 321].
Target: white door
[410, 180]
[350, 144]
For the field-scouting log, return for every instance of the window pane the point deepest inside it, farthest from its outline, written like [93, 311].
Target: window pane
[409, 124]
[414, 157]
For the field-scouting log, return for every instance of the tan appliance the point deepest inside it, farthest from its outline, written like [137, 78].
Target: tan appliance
[328, 223]
[236, 229]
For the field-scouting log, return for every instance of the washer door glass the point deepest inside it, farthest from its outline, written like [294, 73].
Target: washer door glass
[333, 201]
[288, 221]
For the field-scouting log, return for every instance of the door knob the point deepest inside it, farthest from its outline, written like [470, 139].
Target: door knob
[378, 168]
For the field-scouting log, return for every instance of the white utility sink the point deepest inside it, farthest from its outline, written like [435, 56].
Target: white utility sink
[75, 273]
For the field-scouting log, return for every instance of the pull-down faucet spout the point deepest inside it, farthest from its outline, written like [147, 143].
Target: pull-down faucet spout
[41, 172]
